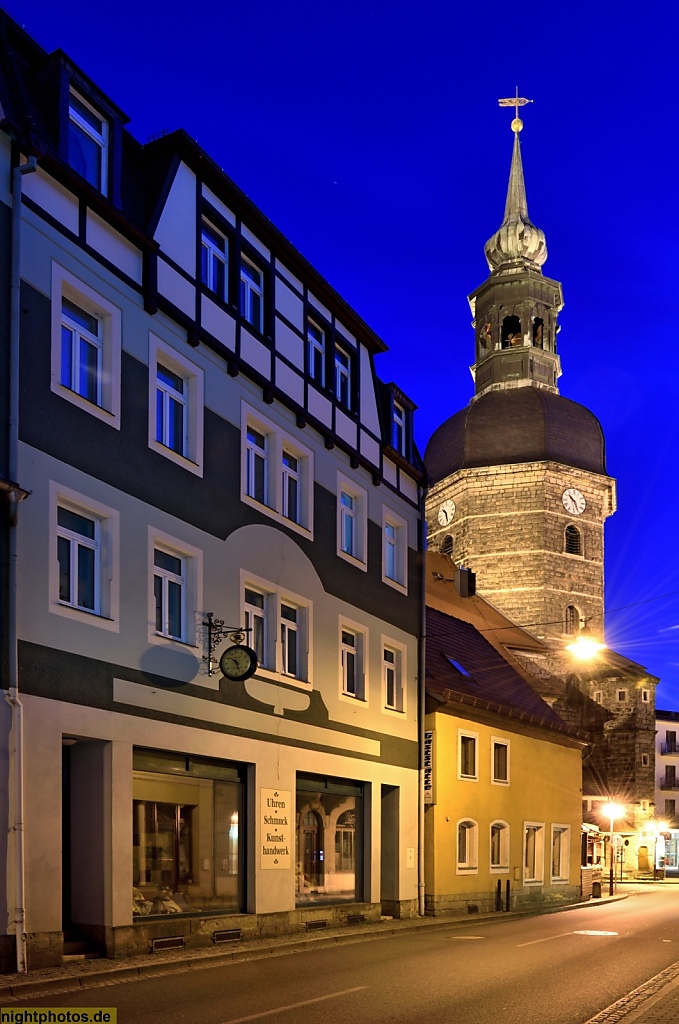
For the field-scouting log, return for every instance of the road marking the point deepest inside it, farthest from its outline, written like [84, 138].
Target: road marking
[465, 938]
[592, 931]
[547, 939]
[294, 1006]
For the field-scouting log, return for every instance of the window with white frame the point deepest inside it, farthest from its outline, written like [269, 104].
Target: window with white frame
[84, 553]
[467, 845]
[560, 853]
[392, 676]
[175, 592]
[252, 293]
[169, 592]
[533, 852]
[398, 428]
[352, 521]
[214, 257]
[277, 472]
[256, 624]
[316, 352]
[86, 344]
[351, 662]
[175, 406]
[499, 846]
[467, 755]
[394, 550]
[645, 696]
[290, 639]
[343, 377]
[622, 696]
[279, 626]
[500, 761]
[88, 134]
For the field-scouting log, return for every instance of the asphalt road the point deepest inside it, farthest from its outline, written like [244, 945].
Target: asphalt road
[538, 970]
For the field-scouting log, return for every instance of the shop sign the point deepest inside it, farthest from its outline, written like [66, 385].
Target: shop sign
[276, 828]
[429, 794]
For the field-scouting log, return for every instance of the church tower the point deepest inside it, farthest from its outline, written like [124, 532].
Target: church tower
[519, 490]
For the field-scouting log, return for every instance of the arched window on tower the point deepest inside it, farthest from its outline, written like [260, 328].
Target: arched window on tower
[573, 541]
[511, 332]
[538, 332]
[572, 620]
[447, 545]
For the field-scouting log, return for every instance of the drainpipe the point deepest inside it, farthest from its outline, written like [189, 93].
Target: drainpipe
[420, 706]
[12, 696]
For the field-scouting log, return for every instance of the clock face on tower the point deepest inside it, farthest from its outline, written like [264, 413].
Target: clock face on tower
[573, 501]
[446, 512]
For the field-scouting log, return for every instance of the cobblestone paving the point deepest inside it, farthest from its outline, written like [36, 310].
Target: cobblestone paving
[654, 1002]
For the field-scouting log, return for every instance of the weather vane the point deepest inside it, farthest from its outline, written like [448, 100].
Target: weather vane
[516, 102]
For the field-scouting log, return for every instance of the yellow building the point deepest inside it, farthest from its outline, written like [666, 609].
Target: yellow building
[503, 777]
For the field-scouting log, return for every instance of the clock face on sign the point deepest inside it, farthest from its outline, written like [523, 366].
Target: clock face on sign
[446, 512]
[238, 663]
[573, 501]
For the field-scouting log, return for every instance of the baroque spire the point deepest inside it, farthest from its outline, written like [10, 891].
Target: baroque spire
[517, 244]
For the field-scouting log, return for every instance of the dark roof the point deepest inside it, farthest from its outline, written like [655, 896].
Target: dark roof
[523, 424]
[486, 680]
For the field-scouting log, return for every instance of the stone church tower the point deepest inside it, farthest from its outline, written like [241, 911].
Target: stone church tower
[519, 494]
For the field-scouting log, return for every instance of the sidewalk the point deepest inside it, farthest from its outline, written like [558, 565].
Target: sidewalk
[654, 1002]
[85, 974]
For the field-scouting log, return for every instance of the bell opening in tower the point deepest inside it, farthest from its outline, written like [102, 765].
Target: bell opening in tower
[511, 332]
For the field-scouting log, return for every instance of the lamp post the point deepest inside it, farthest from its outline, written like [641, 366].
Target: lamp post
[612, 811]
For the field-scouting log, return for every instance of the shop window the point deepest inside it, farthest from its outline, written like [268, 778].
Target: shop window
[329, 817]
[187, 847]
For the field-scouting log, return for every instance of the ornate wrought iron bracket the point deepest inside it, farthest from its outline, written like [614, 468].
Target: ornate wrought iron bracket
[217, 632]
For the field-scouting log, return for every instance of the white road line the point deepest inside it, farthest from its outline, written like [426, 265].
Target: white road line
[547, 939]
[294, 1006]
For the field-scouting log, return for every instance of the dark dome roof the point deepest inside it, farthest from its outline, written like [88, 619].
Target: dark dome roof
[517, 425]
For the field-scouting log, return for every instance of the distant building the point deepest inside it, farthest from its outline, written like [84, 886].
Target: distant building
[667, 786]
[207, 449]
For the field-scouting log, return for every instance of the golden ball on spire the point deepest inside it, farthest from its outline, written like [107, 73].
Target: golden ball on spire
[517, 124]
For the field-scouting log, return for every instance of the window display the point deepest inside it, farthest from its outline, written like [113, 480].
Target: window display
[329, 840]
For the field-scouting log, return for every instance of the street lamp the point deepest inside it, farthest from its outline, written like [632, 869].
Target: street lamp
[585, 646]
[612, 811]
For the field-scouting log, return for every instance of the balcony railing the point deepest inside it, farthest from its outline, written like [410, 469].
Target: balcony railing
[669, 784]
[669, 748]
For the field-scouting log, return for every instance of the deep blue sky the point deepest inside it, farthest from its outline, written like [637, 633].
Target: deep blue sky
[369, 132]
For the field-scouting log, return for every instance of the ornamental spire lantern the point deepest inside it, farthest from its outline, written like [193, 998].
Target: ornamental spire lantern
[516, 308]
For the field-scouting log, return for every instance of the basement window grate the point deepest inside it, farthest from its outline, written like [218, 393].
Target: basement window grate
[227, 935]
[355, 918]
[314, 926]
[172, 942]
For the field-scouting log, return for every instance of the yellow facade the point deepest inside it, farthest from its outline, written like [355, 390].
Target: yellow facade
[537, 814]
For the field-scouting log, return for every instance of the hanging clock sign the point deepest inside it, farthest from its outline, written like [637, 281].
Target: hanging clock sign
[238, 663]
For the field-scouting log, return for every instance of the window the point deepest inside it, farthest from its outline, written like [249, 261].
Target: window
[168, 590]
[176, 586]
[670, 776]
[645, 696]
[499, 846]
[279, 629]
[572, 620]
[467, 832]
[561, 835]
[352, 522]
[622, 696]
[467, 744]
[277, 472]
[83, 563]
[398, 428]
[255, 623]
[88, 142]
[500, 765]
[316, 352]
[645, 761]
[393, 659]
[447, 546]
[290, 659]
[671, 741]
[329, 840]
[573, 541]
[214, 255]
[533, 849]
[351, 662]
[86, 342]
[597, 696]
[175, 406]
[252, 294]
[670, 808]
[394, 550]
[343, 377]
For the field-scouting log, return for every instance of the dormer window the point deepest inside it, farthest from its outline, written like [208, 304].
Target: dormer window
[398, 428]
[88, 142]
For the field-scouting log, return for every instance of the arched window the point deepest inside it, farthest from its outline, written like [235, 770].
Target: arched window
[499, 845]
[344, 841]
[572, 620]
[447, 545]
[573, 541]
[511, 332]
[467, 845]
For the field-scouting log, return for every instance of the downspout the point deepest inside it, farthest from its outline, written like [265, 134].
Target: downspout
[420, 705]
[12, 695]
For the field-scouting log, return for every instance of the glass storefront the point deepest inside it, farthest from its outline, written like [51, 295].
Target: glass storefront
[187, 835]
[329, 842]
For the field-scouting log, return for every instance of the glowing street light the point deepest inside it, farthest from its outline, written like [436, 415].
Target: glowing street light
[585, 646]
[612, 811]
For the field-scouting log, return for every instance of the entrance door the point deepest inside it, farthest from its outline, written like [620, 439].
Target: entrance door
[310, 841]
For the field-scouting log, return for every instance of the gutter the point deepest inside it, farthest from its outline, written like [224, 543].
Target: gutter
[15, 494]
[421, 706]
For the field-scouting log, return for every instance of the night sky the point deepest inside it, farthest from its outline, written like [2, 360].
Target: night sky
[371, 136]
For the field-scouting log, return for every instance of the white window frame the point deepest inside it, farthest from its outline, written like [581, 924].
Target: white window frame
[539, 827]
[192, 596]
[342, 373]
[400, 651]
[399, 544]
[107, 599]
[360, 649]
[278, 441]
[290, 475]
[273, 667]
[645, 696]
[314, 346]
[467, 734]
[360, 515]
[503, 867]
[194, 377]
[470, 865]
[66, 285]
[399, 423]
[214, 255]
[99, 138]
[499, 741]
[564, 834]
[248, 288]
